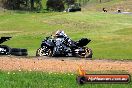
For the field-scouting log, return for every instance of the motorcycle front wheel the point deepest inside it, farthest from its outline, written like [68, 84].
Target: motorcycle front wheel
[86, 54]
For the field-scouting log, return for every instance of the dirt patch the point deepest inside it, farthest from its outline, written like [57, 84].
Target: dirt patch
[61, 65]
[1, 32]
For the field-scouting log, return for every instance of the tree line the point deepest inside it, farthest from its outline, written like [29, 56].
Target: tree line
[21, 4]
[57, 5]
[54, 5]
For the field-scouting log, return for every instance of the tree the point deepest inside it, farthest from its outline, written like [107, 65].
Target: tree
[69, 2]
[38, 4]
[14, 4]
[21, 4]
[32, 4]
[55, 5]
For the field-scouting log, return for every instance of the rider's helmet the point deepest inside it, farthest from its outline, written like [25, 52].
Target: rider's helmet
[60, 33]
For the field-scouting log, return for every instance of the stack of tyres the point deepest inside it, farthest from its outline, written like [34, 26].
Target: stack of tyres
[4, 50]
[18, 52]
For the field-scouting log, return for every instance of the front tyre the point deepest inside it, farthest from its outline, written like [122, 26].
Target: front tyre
[87, 53]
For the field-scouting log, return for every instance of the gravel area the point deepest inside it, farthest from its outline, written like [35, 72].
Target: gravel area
[61, 64]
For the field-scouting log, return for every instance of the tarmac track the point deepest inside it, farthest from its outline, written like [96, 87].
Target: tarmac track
[62, 64]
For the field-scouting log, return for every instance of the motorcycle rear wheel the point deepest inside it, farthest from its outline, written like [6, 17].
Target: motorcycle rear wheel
[50, 53]
[40, 52]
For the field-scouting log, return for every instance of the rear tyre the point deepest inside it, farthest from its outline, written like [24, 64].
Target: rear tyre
[40, 52]
[43, 52]
[50, 53]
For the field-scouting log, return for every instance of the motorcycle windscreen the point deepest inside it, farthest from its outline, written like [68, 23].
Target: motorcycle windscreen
[83, 42]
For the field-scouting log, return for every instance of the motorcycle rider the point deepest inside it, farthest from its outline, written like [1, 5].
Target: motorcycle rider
[61, 34]
[60, 37]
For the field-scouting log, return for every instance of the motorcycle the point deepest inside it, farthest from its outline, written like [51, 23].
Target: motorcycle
[62, 47]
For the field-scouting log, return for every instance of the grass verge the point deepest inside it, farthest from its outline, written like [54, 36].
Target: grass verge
[110, 33]
[15, 79]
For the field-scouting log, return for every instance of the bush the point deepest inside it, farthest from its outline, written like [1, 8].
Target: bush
[55, 5]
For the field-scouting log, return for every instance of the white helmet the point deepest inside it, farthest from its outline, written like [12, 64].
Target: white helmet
[60, 33]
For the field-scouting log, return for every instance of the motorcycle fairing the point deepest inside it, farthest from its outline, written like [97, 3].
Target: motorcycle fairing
[83, 42]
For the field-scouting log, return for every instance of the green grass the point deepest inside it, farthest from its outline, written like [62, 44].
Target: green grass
[15, 79]
[111, 34]
[110, 5]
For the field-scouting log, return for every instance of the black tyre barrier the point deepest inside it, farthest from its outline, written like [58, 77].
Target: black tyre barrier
[4, 50]
[19, 52]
